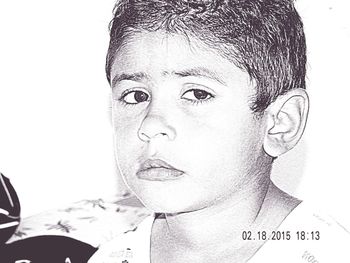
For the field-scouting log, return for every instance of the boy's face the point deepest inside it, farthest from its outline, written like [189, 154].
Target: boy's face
[185, 136]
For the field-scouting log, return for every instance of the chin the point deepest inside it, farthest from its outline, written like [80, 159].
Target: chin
[166, 203]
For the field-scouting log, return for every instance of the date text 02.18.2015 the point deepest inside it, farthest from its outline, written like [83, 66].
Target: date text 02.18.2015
[281, 235]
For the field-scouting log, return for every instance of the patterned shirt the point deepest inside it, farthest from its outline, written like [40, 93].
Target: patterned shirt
[304, 236]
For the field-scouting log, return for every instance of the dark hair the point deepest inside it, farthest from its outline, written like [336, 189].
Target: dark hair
[263, 37]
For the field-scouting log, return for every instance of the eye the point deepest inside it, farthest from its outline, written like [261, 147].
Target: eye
[197, 95]
[135, 97]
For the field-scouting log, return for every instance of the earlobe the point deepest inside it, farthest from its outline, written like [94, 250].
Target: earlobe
[286, 121]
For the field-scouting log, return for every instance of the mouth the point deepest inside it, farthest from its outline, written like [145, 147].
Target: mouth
[158, 170]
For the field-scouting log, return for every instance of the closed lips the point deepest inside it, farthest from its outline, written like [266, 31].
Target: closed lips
[156, 163]
[158, 170]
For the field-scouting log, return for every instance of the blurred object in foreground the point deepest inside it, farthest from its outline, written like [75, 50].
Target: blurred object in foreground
[9, 209]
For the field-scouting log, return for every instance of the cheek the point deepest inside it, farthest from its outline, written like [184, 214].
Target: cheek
[216, 128]
[127, 144]
[222, 141]
[126, 121]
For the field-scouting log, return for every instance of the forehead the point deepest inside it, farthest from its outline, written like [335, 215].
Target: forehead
[159, 53]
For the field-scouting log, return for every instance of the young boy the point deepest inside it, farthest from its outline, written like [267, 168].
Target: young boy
[205, 95]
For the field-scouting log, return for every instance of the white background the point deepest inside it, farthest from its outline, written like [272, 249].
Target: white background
[55, 135]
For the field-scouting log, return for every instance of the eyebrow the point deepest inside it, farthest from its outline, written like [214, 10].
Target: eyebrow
[138, 76]
[192, 72]
[198, 72]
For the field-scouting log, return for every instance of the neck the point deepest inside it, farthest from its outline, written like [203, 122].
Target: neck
[219, 227]
[223, 219]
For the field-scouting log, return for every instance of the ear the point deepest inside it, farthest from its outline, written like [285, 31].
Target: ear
[286, 121]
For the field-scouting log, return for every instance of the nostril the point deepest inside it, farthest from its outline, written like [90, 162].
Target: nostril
[144, 137]
[155, 127]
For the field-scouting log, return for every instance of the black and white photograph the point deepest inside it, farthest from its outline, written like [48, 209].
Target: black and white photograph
[152, 131]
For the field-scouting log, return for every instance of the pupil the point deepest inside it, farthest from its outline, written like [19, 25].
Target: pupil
[200, 94]
[140, 96]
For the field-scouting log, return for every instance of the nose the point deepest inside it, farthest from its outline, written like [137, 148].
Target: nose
[155, 126]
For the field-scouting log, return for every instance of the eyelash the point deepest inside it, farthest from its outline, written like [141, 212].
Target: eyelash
[198, 101]
[127, 92]
[191, 101]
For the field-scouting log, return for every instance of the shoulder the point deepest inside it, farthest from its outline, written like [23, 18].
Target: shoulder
[72, 234]
[308, 234]
[91, 221]
[131, 246]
